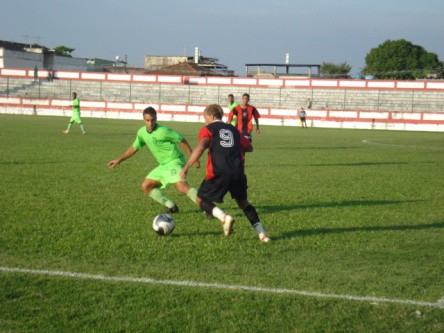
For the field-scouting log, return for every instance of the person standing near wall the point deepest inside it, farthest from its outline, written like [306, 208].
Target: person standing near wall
[302, 115]
[75, 118]
[36, 73]
[309, 103]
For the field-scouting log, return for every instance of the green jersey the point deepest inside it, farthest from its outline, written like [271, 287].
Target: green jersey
[162, 142]
[232, 105]
[76, 106]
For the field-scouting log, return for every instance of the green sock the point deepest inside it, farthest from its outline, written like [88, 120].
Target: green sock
[192, 194]
[82, 128]
[69, 127]
[158, 196]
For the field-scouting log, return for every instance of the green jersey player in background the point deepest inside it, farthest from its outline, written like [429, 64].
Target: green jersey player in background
[75, 118]
[231, 105]
[162, 141]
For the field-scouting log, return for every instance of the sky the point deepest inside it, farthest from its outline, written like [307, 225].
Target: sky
[235, 32]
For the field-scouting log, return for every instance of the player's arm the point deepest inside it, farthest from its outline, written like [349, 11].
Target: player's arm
[187, 148]
[256, 120]
[230, 116]
[130, 152]
[195, 155]
[245, 144]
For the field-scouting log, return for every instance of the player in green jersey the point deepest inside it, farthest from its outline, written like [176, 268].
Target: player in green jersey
[231, 105]
[162, 141]
[75, 115]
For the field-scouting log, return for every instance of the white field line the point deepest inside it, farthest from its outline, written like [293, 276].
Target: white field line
[395, 145]
[371, 299]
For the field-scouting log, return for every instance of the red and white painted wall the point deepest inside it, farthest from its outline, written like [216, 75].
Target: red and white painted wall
[232, 81]
[392, 120]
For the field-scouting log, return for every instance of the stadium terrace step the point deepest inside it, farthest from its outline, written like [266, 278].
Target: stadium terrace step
[279, 98]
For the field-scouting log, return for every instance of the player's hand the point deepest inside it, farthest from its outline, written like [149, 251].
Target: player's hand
[258, 131]
[183, 174]
[196, 164]
[113, 164]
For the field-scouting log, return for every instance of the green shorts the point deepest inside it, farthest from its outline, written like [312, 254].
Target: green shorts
[168, 173]
[76, 119]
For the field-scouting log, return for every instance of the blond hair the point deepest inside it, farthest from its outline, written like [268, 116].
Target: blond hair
[214, 110]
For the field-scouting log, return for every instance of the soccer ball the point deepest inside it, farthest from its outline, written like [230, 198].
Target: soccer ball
[164, 224]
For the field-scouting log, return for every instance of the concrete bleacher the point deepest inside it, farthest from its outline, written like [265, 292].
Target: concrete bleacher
[279, 98]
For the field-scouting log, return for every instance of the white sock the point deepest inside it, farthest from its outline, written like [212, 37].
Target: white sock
[218, 213]
[259, 228]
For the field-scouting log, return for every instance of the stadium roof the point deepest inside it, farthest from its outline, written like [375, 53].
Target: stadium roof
[184, 68]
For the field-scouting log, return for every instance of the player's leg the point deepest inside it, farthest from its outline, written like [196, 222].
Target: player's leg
[82, 128]
[238, 191]
[211, 191]
[191, 193]
[152, 188]
[211, 209]
[184, 188]
[69, 127]
[171, 175]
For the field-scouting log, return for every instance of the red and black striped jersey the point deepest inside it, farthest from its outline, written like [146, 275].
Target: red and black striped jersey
[244, 118]
[225, 150]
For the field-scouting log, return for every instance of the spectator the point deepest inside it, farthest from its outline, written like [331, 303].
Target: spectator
[36, 73]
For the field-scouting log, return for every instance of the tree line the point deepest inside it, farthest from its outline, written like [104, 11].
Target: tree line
[393, 59]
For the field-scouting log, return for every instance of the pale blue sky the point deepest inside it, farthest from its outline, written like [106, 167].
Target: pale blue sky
[236, 32]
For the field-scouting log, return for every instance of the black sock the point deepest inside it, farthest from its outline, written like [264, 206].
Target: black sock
[251, 214]
[207, 207]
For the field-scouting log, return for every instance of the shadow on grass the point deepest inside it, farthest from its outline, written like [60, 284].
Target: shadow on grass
[324, 231]
[348, 203]
[203, 233]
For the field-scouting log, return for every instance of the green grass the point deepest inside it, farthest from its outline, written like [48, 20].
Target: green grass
[346, 217]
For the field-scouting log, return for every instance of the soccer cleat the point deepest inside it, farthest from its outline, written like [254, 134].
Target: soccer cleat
[227, 224]
[65, 132]
[84, 132]
[172, 210]
[263, 237]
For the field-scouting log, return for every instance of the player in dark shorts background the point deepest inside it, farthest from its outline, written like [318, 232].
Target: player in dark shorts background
[225, 170]
[245, 114]
[302, 116]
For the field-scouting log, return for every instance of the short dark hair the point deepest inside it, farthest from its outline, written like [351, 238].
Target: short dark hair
[247, 95]
[230, 95]
[151, 111]
[214, 110]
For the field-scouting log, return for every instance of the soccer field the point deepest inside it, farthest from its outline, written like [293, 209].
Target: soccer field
[356, 220]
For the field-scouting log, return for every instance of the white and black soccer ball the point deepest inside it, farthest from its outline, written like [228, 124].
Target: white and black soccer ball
[164, 224]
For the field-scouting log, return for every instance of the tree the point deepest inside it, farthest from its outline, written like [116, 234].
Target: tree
[329, 69]
[400, 59]
[64, 50]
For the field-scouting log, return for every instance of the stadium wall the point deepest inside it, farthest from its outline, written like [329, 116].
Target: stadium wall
[234, 81]
[383, 120]
[192, 112]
